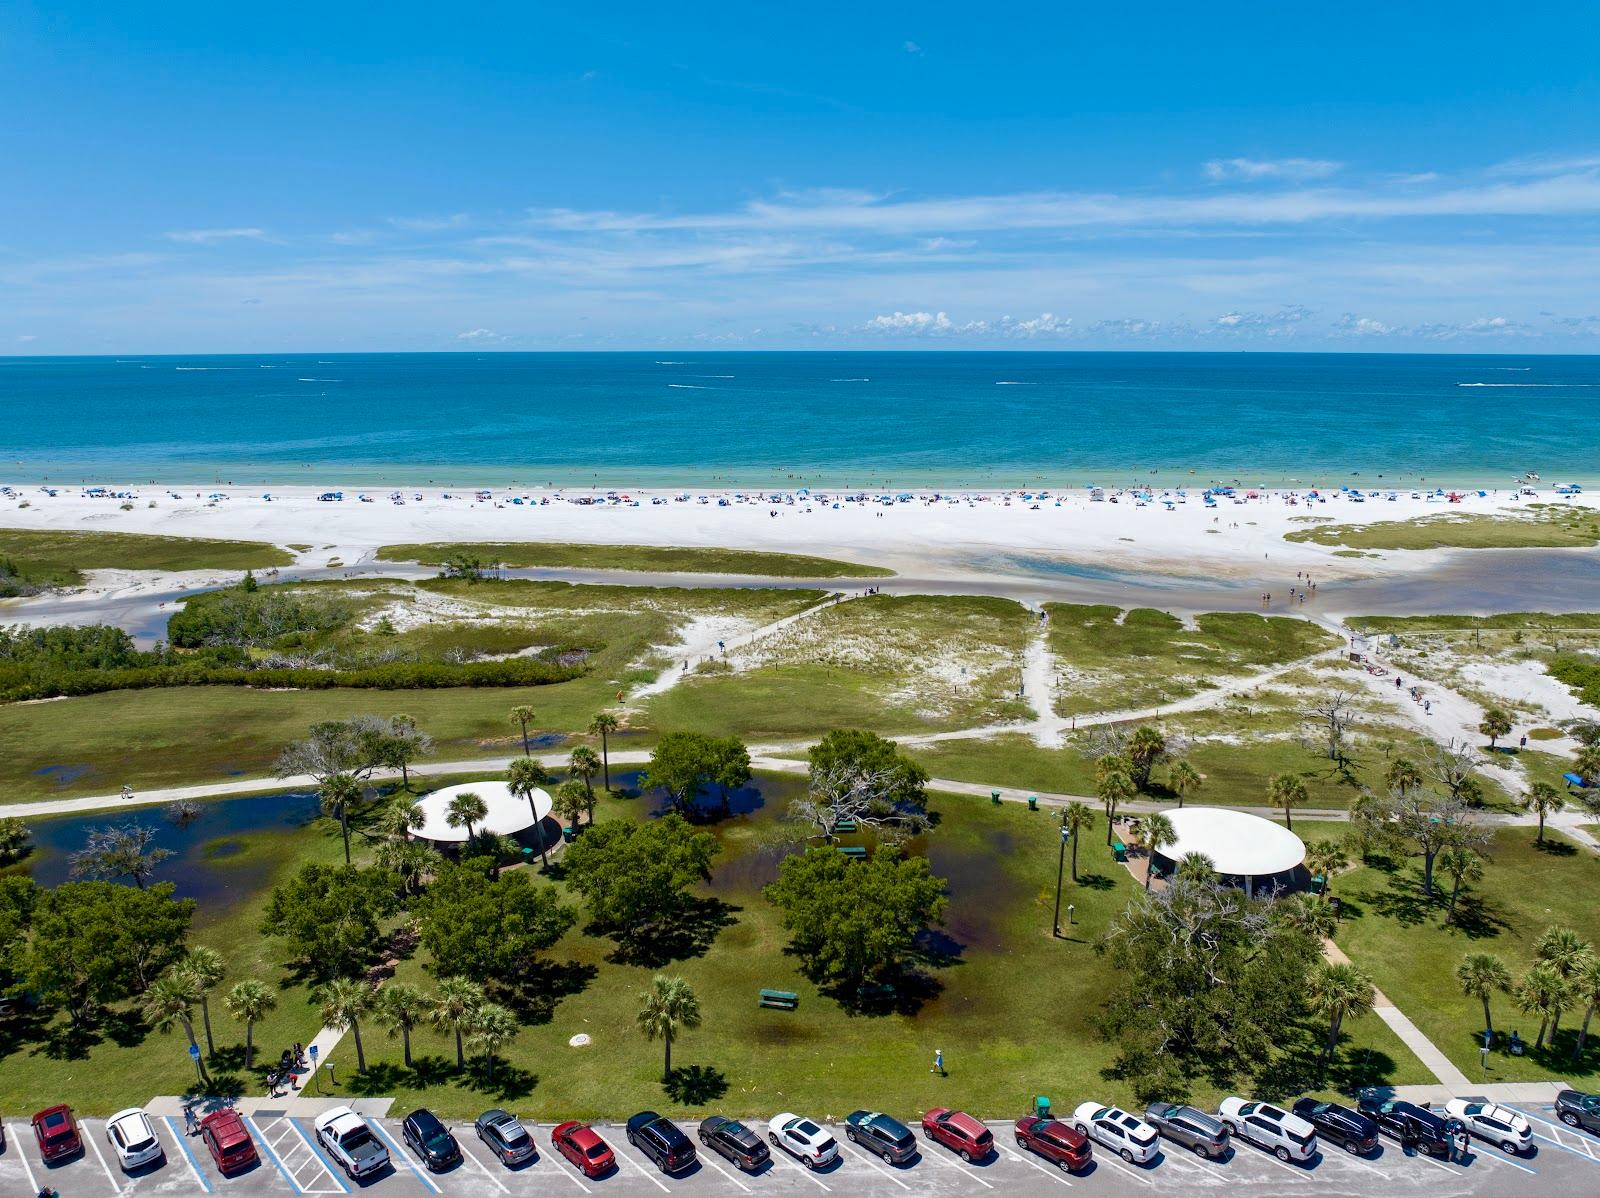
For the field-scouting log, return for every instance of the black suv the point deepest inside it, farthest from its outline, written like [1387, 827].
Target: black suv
[430, 1140]
[889, 1138]
[735, 1141]
[1433, 1133]
[1353, 1131]
[659, 1139]
[1577, 1109]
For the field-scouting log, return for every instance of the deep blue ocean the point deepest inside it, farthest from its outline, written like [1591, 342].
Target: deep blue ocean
[947, 419]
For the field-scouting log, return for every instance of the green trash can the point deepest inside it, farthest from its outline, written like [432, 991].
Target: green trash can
[1041, 1106]
[568, 835]
[1033, 802]
[994, 797]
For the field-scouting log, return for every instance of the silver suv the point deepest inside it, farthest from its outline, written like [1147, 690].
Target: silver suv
[1192, 1129]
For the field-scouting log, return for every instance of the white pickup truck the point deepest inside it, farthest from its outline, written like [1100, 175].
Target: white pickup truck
[350, 1142]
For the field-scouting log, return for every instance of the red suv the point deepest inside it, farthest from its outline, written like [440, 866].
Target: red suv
[1063, 1146]
[959, 1132]
[582, 1145]
[57, 1133]
[227, 1140]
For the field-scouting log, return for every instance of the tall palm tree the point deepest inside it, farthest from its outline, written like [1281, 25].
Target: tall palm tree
[1587, 763]
[1145, 747]
[1462, 866]
[249, 1002]
[338, 793]
[170, 1000]
[489, 1026]
[1338, 992]
[401, 1009]
[1402, 775]
[524, 778]
[570, 801]
[1324, 858]
[1158, 834]
[669, 1005]
[1077, 819]
[1182, 778]
[1481, 976]
[453, 1005]
[1195, 867]
[398, 819]
[1287, 791]
[1114, 787]
[465, 810]
[1496, 723]
[1537, 993]
[523, 714]
[344, 1002]
[1309, 914]
[603, 725]
[1567, 953]
[1586, 989]
[1543, 800]
[585, 764]
[204, 968]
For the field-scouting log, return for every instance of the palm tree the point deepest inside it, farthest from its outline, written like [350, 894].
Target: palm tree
[400, 1008]
[249, 1002]
[1587, 763]
[1158, 834]
[523, 714]
[1310, 915]
[465, 810]
[453, 1005]
[1324, 858]
[1537, 993]
[338, 794]
[170, 1000]
[399, 819]
[1182, 778]
[344, 1001]
[524, 778]
[1586, 989]
[1114, 787]
[585, 764]
[666, 1007]
[1076, 819]
[1496, 723]
[570, 801]
[1145, 747]
[1287, 791]
[490, 1026]
[1338, 992]
[1543, 800]
[1567, 953]
[204, 968]
[1195, 867]
[1463, 867]
[408, 860]
[1480, 976]
[1402, 775]
[603, 725]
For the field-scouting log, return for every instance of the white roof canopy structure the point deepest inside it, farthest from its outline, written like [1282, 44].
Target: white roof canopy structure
[1237, 843]
[508, 813]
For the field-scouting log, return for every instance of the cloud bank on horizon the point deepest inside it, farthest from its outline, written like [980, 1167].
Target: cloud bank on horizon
[927, 186]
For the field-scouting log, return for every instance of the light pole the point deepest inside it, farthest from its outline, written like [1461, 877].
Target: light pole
[1061, 861]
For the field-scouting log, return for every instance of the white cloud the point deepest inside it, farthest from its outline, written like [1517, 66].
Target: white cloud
[429, 224]
[1270, 168]
[1351, 325]
[910, 322]
[1270, 324]
[480, 336]
[26, 337]
[1046, 324]
[213, 236]
[912, 48]
[1547, 164]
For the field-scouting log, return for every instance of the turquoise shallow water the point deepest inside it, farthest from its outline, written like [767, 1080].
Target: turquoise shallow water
[867, 419]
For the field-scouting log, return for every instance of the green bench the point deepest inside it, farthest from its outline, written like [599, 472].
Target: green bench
[781, 1000]
[853, 851]
[845, 825]
[876, 991]
[1119, 851]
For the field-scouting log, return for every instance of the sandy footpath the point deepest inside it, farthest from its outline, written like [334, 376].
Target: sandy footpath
[928, 538]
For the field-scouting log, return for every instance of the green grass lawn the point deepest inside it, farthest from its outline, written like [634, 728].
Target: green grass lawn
[652, 558]
[1114, 659]
[60, 558]
[1544, 527]
[1398, 936]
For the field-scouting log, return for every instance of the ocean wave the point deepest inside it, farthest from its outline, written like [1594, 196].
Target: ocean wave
[1525, 386]
[1013, 383]
[689, 387]
[711, 376]
[849, 380]
[208, 368]
[319, 380]
[670, 362]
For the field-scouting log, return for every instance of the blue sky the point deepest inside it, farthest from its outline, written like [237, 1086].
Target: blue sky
[214, 178]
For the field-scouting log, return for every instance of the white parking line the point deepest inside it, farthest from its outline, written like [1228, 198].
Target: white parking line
[556, 1159]
[870, 1163]
[1109, 1158]
[1272, 1159]
[648, 1176]
[396, 1152]
[780, 1154]
[1182, 1162]
[16, 1138]
[88, 1137]
[482, 1168]
[273, 1153]
[316, 1157]
[704, 1157]
[1054, 1174]
[1492, 1154]
[965, 1169]
[188, 1156]
[1354, 1161]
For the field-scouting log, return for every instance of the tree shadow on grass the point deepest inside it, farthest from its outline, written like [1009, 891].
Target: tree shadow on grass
[1298, 1066]
[695, 1085]
[1094, 882]
[689, 933]
[381, 1078]
[505, 1083]
[535, 995]
[1557, 848]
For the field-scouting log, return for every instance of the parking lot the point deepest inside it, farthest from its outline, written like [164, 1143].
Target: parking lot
[1564, 1162]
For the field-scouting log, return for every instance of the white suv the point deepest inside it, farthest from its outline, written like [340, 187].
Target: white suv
[1286, 1136]
[133, 1139]
[1131, 1138]
[803, 1139]
[1497, 1124]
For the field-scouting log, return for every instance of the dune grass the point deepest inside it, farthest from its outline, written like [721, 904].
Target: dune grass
[1544, 527]
[645, 558]
[59, 558]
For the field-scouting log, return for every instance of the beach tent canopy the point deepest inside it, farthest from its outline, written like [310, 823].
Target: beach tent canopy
[508, 813]
[1238, 844]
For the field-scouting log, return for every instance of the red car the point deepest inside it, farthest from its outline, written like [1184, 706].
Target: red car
[227, 1140]
[959, 1132]
[1065, 1147]
[582, 1145]
[57, 1132]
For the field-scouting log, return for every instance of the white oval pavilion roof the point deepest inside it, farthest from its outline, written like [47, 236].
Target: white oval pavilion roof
[508, 813]
[1238, 843]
